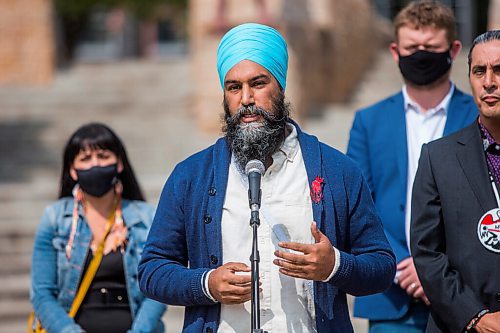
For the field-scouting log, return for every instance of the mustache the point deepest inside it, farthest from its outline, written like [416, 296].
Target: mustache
[253, 110]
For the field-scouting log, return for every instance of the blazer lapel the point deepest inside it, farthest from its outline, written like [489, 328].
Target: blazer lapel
[398, 116]
[473, 162]
[324, 293]
[312, 161]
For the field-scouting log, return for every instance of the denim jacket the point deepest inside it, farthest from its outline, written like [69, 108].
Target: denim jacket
[55, 279]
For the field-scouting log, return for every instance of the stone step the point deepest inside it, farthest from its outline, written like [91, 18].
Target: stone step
[14, 286]
[14, 309]
[17, 323]
[15, 264]
[41, 187]
[14, 242]
[14, 326]
[22, 246]
[14, 314]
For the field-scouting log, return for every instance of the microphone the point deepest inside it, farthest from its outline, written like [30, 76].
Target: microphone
[254, 170]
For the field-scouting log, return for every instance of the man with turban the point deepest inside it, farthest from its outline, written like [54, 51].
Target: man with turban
[197, 253]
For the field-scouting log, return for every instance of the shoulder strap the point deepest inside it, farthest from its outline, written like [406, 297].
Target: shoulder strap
[91, 270]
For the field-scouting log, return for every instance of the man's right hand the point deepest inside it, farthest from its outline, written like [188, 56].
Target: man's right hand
[227, 287]
[489, 323]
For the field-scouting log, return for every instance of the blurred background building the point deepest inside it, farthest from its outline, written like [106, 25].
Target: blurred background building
[331, 41]
[147, 68]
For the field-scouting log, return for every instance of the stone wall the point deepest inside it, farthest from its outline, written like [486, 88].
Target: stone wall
[26, 42]
[334, 45]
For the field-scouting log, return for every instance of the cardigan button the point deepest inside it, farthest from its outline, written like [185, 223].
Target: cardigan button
[498, 297]
[213, 259]
[402, 207]
[207, 219]
[209, 330]
[212, 191]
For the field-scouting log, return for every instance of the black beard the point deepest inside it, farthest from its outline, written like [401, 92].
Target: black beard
[256, 140]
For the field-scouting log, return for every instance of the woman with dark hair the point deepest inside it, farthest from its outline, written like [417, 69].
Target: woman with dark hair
[100, 220]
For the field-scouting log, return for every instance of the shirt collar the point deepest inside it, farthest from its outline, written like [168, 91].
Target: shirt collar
[488, 141]
[411, 105]
[287, 151]
[290, 146]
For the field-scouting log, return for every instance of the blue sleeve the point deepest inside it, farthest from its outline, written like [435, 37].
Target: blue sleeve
[358, 148]
[44, 287]
[150, 312]
[163, 270]
[367, 264]
[148, 316]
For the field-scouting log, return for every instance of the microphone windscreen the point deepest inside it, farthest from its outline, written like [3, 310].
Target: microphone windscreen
[254, 166]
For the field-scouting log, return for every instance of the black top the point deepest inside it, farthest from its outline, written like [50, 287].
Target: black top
[105, 308]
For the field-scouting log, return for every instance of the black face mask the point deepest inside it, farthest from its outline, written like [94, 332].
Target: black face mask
[424, 67]
[97, 180]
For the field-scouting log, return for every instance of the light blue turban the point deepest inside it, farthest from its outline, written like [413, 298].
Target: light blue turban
[258, 43]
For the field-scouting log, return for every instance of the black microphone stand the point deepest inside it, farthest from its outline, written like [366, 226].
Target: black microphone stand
[255, 259]
[254, 170]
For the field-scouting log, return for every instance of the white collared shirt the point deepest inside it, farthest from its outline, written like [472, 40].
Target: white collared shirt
[421, 127]
[286, 303]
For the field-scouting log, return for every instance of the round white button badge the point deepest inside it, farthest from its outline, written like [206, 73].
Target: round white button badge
[488, 230]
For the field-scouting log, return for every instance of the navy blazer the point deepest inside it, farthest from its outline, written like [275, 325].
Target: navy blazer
[185, 240]
[378, 144]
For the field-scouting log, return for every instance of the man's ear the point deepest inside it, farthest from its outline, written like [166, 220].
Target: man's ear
[455, 48]
[393, 48]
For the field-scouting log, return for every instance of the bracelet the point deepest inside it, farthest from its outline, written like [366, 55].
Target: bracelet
[473, 322]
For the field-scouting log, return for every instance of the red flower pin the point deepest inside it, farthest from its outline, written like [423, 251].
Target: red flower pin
[317, 189]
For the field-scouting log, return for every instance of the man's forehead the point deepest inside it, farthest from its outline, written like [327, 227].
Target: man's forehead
[409, 32]
[246, 70]
[486, 53]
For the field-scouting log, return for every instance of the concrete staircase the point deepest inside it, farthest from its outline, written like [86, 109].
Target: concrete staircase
[15, 257]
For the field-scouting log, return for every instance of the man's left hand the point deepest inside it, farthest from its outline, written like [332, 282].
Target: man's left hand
[408, 280]
[315, 262]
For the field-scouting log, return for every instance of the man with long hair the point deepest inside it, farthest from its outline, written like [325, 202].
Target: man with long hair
[455, 220]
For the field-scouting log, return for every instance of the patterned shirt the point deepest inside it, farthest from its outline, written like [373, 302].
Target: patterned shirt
[492, 150]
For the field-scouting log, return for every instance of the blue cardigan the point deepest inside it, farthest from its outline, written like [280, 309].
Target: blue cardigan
[185, 239]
